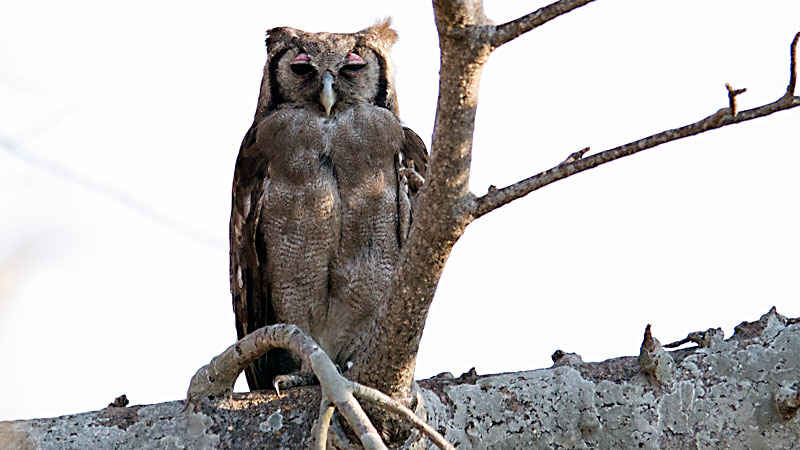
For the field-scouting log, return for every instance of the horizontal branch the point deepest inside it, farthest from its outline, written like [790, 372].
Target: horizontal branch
[513, 410]
[499, 197]
[512, 30]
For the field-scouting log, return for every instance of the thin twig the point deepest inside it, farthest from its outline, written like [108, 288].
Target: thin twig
[512, 30]
[388, 403]
[792, 66]
[732, 93]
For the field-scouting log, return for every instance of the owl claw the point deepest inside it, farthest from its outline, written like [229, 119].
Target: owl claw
[294, 379]
[413, 180]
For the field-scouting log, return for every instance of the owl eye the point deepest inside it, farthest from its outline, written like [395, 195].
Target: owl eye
[301, 66]
[354, 65]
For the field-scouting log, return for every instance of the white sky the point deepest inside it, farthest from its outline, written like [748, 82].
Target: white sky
[118, 283]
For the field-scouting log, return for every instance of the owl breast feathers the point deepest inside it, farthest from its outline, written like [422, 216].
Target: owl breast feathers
[321, 198]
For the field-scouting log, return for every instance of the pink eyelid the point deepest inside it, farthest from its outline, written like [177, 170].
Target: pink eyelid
[353, 58]
[302, 57]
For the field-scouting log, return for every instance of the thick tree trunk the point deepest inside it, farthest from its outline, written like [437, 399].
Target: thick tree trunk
[740, 393]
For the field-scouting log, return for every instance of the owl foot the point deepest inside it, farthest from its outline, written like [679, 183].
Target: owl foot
[291, 380]
[411, 178]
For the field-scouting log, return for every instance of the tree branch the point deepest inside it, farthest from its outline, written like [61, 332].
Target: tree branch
[603, 405]
[512, 30]
[496, 198]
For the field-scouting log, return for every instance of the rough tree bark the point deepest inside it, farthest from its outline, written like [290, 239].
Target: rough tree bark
[739, 393]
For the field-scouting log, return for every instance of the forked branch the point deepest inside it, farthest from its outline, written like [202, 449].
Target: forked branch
[215, 381]
[725, 116]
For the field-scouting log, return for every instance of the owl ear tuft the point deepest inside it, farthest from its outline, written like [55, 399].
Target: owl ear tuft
[383, 31]
[277, 38]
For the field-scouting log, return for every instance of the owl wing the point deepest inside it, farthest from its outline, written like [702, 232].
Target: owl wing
[251, 304]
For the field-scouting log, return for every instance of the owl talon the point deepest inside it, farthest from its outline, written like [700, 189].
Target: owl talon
[413, 179]
[290, 380]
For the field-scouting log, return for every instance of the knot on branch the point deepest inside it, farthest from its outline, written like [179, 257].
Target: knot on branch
[732, 93]
[787, 400]
[654, 360]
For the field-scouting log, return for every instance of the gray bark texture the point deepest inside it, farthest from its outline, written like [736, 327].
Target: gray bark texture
[739, 393]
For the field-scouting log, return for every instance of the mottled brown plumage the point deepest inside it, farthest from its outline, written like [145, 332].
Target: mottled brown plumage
[320, 195]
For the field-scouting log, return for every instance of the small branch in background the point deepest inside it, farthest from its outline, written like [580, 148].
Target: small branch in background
[110, 191]
[732, 93]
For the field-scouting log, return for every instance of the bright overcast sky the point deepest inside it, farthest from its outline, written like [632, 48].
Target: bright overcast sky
[120, 123]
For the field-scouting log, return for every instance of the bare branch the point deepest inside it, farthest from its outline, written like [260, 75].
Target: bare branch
[500, 197]
[512, 30]
[792, 66]
[496, 198]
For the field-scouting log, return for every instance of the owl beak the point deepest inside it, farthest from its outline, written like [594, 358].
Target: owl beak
[327, 96]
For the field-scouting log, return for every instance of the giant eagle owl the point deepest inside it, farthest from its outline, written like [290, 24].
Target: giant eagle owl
[322, 200]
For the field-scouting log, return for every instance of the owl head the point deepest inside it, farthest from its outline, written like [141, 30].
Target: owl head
[328, 71]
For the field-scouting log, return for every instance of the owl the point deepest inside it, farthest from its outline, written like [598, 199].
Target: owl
[323, 194]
